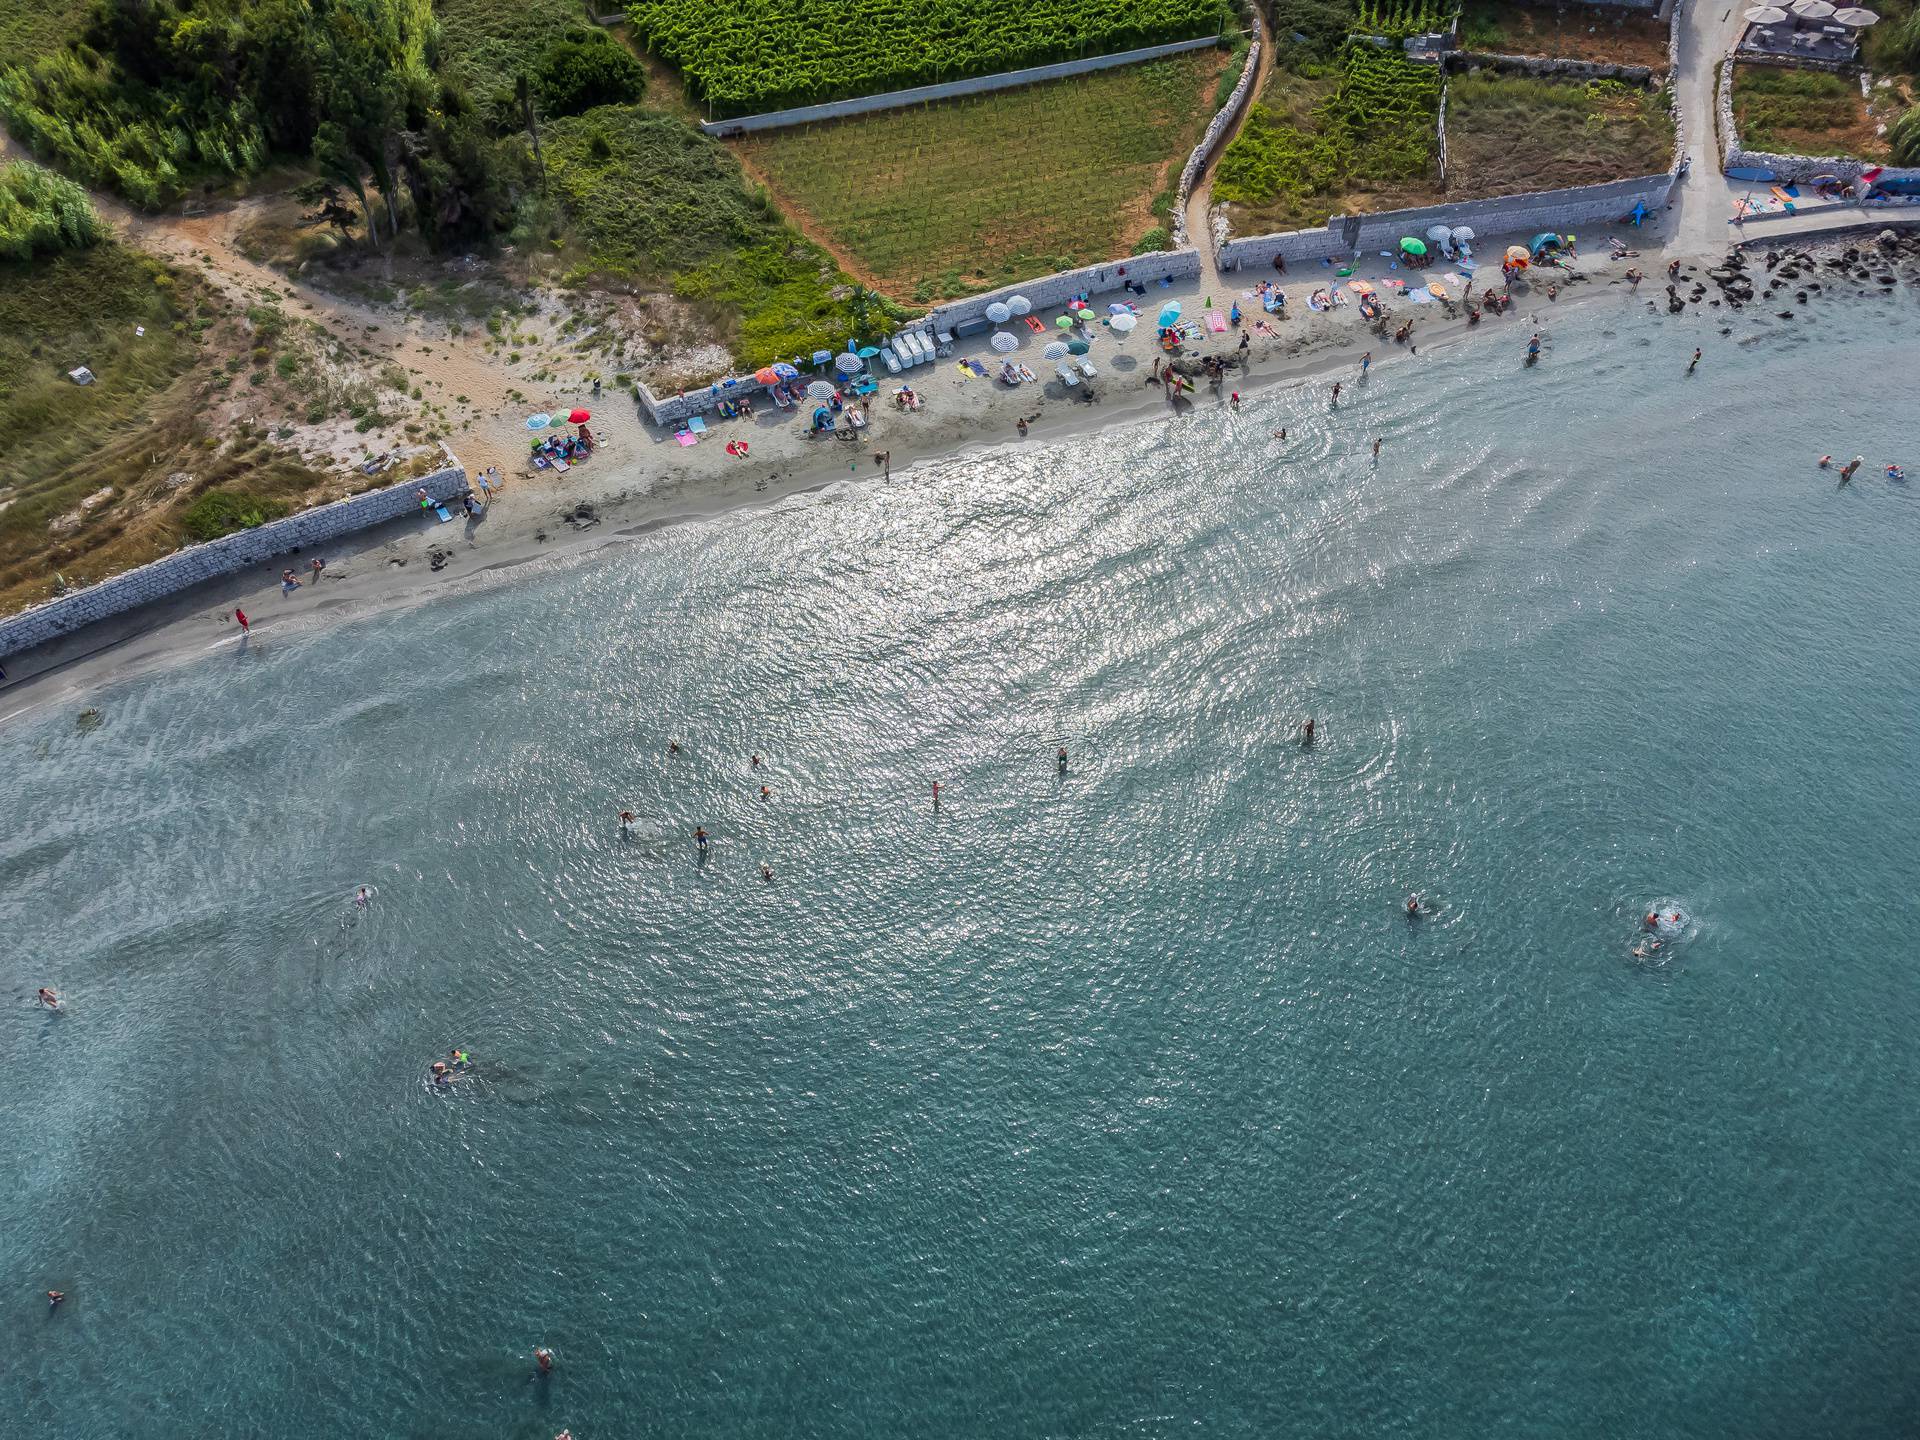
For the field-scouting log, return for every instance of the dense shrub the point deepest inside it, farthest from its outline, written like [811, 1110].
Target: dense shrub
[584, 69]
[222, 512]
[41, 213]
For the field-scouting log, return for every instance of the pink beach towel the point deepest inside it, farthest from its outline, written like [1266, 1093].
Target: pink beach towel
[1216, 322]
[687, 437]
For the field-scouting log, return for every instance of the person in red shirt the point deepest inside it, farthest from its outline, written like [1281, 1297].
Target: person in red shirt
[241, 616]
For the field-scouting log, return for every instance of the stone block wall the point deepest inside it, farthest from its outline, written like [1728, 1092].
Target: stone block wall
[1217, 129]
[949, 89]
[168, 576]
[1050, 292]
[1788, 169]
[1296, 247]
[1505, 214]
[1470, 60]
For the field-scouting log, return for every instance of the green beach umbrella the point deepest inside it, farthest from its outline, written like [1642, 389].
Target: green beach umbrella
[1078, 347]
[1413, 246]
[1086, 315]
[1065, 322]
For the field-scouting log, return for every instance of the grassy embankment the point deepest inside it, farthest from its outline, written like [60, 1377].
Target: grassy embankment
[1585, 32]
[31, 28]
[1803, 112]
[1507, 134]
[986, 190]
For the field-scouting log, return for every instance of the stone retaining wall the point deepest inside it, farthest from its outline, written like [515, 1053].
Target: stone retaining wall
[1217, 128]
[1787, 169]
[186, 568]
[1470, 60]
[950, 89]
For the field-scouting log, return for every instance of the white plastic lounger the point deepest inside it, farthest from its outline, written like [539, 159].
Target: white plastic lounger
[1067, 377]
[1086, 368]
[912, 343]
[921, 347]
[893, 365]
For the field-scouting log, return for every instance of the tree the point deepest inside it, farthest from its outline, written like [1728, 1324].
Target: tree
[586, 68]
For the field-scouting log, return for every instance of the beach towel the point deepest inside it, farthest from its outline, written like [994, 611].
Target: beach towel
[1419, 297]
[1216, 322]
[561, 465]
[441, 511]
[697, 425]
[975, 367]
[1033, 324]
[1315, 303]
[686, 437]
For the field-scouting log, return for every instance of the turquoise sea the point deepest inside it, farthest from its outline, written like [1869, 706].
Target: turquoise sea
[1119, 1103]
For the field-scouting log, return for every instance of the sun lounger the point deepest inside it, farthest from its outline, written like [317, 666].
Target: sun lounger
[886, 358]
[1067, 377]
[1028, 376]
[1033, 324]
[922, 351]
[443, 513]
[866, 386]
[780, 399]
[909, 349]
[1086, 368]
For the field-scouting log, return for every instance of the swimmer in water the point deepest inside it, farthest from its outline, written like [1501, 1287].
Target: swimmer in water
[1826, 462]
[1060, 761]
[700, 839]
[47, 998]
[1306, 732]
[1846, 471]
[765, 793]
[756, 762]
[54, 1297]
[363, 897]
[936, 794]
[1645, 952]
[1413, 907]
[627, 818]
[1674, 917]
[460, 1059]
[543, 1357]
[673, 747]
[441, 1074]
[1652, 920]
[766, 871]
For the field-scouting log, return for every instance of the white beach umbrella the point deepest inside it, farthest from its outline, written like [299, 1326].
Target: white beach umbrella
[821, 390]
[1854, 18]
[998, 313]
[1019, 305]
[1462, 232]
[1056, 351]
[1764, 15]
[1004, 341]
[1123, 323]
[846, 362]
[1811, 9]
[1439, 234]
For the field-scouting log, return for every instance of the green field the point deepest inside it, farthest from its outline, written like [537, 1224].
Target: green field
[1507, 134]
[941, 199]
[487, 42]
[31, 28]
[1803, 112]
[745, 58]
[1359, 131]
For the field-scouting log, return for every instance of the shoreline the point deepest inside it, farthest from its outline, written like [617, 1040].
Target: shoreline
[393, 565]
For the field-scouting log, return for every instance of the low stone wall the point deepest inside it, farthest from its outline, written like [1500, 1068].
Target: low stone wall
[1217, 128]
[1052, 291]
[186, 568]
[1504, 214]
[1471, 60]
[949, 89]
[1296, 247]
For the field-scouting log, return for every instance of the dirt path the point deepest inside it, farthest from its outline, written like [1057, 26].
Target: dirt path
[1200, 202]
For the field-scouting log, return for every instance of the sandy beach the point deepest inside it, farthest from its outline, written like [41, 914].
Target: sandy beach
[641, 478]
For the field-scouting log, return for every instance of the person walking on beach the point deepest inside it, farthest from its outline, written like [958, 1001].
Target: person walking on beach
[1673, 270]
[288, 582]
[1234, 400]
[240, 618]
[1695, 362]
[1366, 364]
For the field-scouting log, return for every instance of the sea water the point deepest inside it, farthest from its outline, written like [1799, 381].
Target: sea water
[1124, 1102]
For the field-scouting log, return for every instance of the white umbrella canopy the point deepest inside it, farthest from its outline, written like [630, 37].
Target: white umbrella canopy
[1764, 15]
[846, 362]
[1439, 234]
[1855, 18]
[1019, 305]
[1462, 232]
[998, 313]
[1811, 9]
[1124, 323]
[821, 390]
[1004, 341]
[1056, 351]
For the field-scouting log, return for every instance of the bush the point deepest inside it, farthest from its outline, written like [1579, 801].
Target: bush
[223, 512]
[1904, 137]
[1157, 238]
[584, 69]
[42, 213]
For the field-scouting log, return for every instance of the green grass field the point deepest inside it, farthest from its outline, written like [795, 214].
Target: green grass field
[941, 199]
[486, 42]
[30, 28]
[1803, 112]
[1507, 134]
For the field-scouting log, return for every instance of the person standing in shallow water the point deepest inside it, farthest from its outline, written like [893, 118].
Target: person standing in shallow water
[1061, 762]
[700, 840]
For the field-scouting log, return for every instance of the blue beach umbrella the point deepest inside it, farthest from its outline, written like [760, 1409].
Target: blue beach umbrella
[1169, 313]
[867, 352]
[785, 371]
[540, 421]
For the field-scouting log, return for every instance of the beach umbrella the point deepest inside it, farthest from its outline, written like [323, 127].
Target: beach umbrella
[1854, 18]
[1439, 234]
[1169, 313]
[998, 313]
[867, 352]
[1086, 314]
[1119, 308]
[1516, 252]
[1018, 305]
[847, 362]
[540, 421]
[1054, 351]
[1462, 234]
[1078, 347]
[767, 375]
[820, 390]
[1004, 341]
[1764, 15]
[579, 417]
[1124, 323]
[785, 371]
[1811, 9]
[1412, 246]
[1065, 322]
[1542, 241]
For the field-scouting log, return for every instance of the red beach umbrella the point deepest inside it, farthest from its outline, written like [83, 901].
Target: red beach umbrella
[579, 417]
